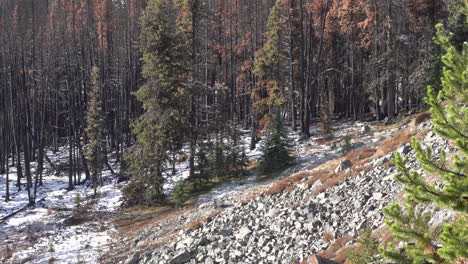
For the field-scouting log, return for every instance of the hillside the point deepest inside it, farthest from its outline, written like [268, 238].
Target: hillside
[320, 208]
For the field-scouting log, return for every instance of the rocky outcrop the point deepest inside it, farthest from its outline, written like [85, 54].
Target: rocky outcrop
[291, 226]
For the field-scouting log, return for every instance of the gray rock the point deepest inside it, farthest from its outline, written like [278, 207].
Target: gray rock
[344, 164]
[404, 149]
[365, 129]
[133, 259]
[317, 184]
[243, 232]
[184, 243]
[377, 196]
[181, 257]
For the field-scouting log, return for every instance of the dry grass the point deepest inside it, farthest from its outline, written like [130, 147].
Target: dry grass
[357, 170]
[423, 133]
[287, 184]
[322, 141]
[194, 225]
[360, 154]
[421, 118]
[136, 219]
[6, 253]
[277, 187]
[392, 144]
[331, 251]
[201, 221]
[327, 237]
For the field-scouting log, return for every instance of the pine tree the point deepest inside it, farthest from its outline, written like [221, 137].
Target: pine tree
[450, 118]
[179, 194]
[203, 163]
[368, 250]
[163, 97]
[235, 152]
[276, 150]
[95, 149]
[217, 160]
[268, 67]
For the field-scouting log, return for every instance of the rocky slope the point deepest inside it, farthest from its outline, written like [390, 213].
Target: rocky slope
[294, 224]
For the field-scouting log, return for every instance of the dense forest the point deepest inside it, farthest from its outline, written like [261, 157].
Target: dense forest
[145, 79]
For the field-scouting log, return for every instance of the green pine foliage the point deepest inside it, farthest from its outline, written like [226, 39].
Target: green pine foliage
[268, 66]
[180, 194]
[276, 150]
[347, 147]
[368, 249]
[163, 97]
[203, 163]
[235, 153]
[95, 149]
[217, 161]
[326, 125]
[450, 118]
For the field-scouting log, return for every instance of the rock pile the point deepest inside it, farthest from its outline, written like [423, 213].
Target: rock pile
[290, 226]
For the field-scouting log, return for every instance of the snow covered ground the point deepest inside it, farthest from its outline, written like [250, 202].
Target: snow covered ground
[309, 154]
[46, 232]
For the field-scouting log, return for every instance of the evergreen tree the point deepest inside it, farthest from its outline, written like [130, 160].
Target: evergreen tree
[95, 149]
[276, 150]
[179, 194]
[235, 152]
[450, 118]
[368, 250]
[217, 160]
[203, 163]
[269, 67]
[163, 97]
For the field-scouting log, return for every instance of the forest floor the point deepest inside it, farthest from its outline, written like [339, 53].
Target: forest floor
[59, 229]
[64, 226]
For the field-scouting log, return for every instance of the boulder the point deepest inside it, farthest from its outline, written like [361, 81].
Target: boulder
[344, 164]
[365, 129]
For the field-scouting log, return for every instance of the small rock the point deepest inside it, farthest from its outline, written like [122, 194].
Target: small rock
[243, 232]
[405, 149]
[365, 129]
[377, 196]
[133, 259]
[180, 257]
[317, 184]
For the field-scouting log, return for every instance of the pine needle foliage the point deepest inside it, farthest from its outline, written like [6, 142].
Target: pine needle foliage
[450, 118]
[163, 97]
[276, 150]
[180, 194]
[368, 250]
[235, 152]
[95, 149]
[268, 67]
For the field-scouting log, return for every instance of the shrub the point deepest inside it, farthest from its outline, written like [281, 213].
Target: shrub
[347, 147]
